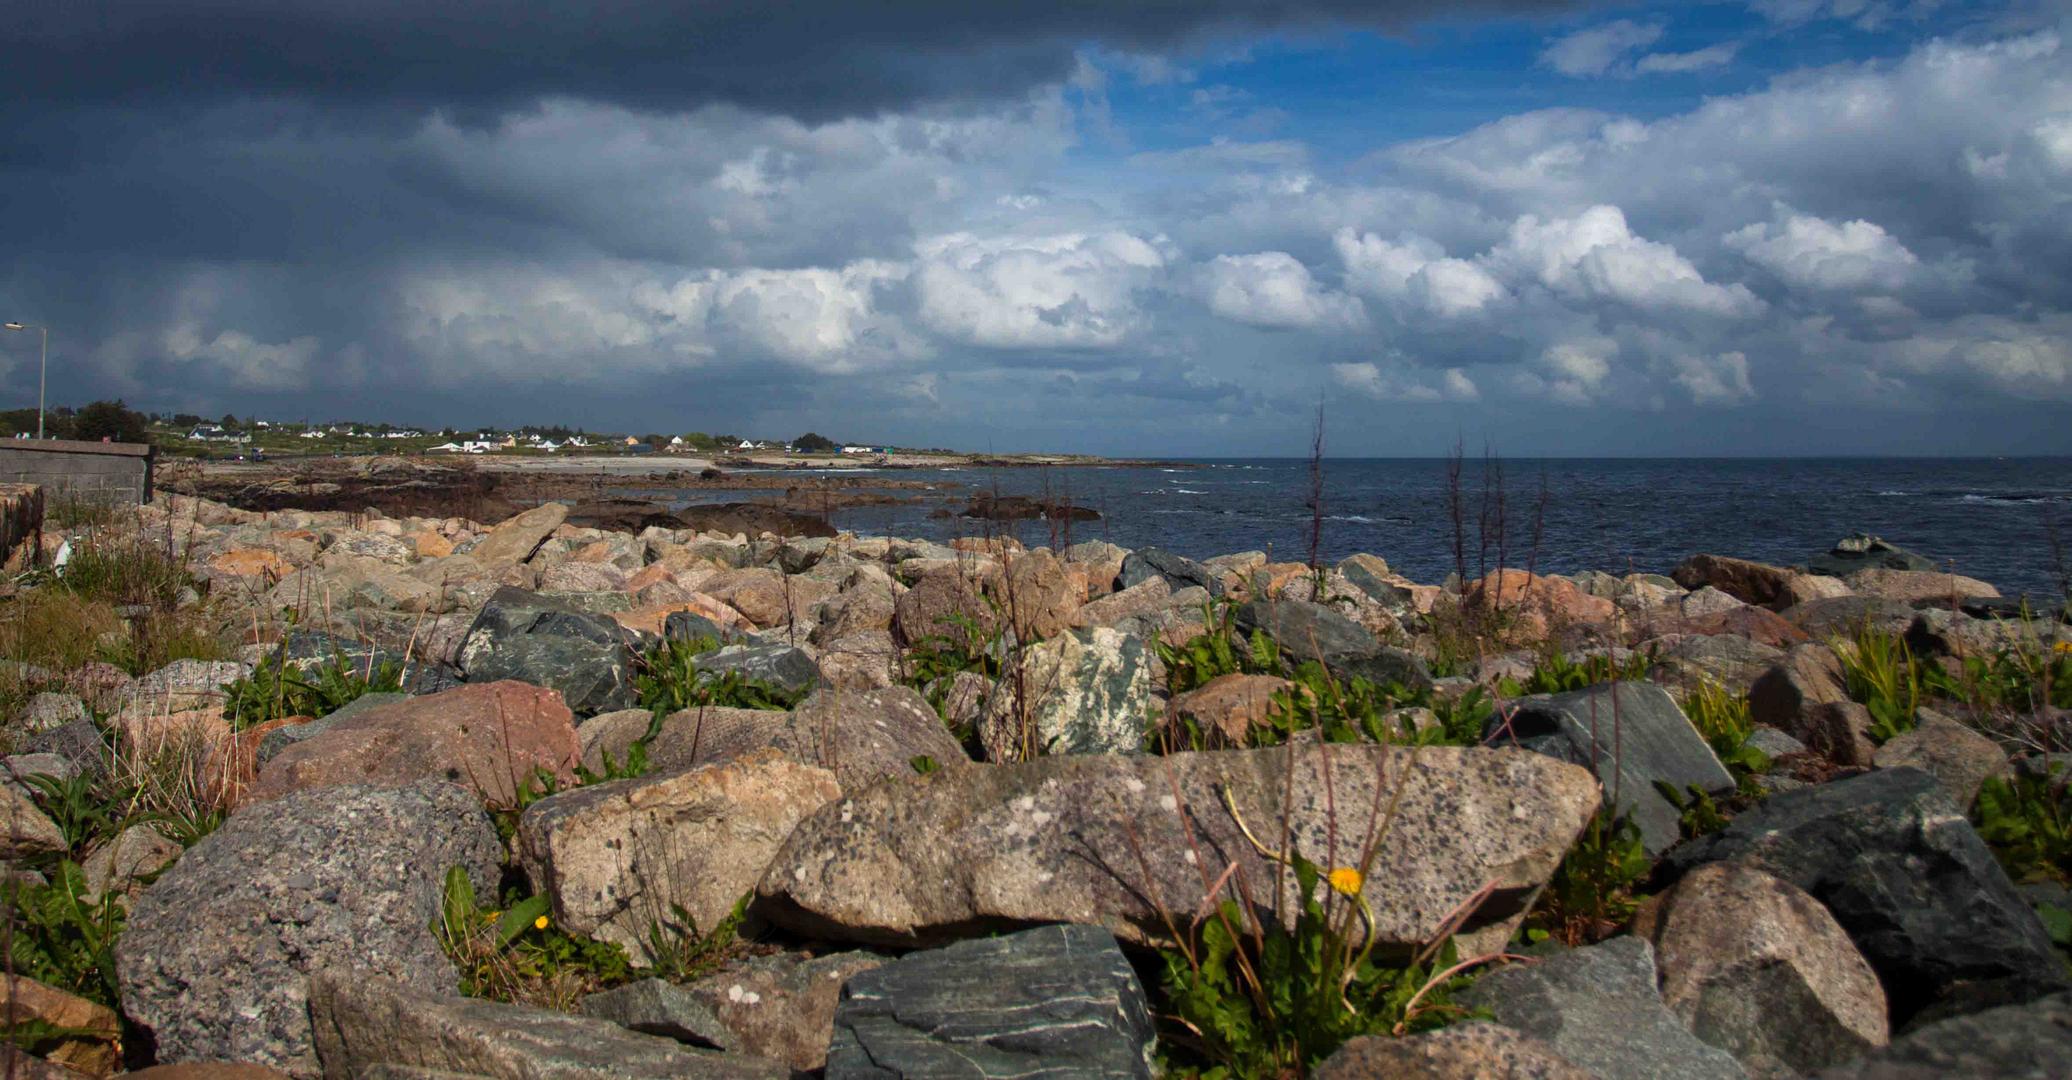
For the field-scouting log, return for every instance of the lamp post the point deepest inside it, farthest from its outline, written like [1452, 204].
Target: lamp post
[43, 373]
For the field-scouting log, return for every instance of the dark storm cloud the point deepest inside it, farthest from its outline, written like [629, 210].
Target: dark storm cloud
[809, 59]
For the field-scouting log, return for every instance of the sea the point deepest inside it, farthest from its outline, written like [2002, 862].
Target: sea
[2005, 520]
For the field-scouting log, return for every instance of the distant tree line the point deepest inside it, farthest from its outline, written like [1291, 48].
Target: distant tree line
[110, 420]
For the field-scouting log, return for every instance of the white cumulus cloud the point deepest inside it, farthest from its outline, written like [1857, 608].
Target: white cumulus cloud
[1815, 253]
[1273, 289]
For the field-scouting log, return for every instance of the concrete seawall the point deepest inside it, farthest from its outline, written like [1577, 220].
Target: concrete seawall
[102, 472]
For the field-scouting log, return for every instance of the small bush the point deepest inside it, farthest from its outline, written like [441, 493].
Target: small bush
[933, 663]
[1218, 651]
[1557, 674]
[678, 952]
[1725, 722]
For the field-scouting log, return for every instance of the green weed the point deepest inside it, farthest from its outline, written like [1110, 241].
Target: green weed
[2027, 821]
[1883, 675]
[1590, 895]
[1724, 721]
[669, 681]
[1555, 673]
[678, 952]
[517, 954]
[1256, 999]
[277, 689]
[1220, 650]
[61, 938]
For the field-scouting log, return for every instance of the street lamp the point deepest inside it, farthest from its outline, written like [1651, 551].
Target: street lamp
[43, 374]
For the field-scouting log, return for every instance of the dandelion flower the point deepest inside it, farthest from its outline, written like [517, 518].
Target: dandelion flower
[540, 923]
[1347, 881]
[2063, 647]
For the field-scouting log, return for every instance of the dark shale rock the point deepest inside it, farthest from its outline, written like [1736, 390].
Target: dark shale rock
[364, 1023]
[1309, 631]
[2013, 1042]
[1178, 571]
[1054, 1001]
[782, 666]
[1598, 1007]
[1908, 878]
[1632, 735]
[546, 641]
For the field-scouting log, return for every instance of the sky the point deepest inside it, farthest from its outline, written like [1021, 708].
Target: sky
[1740, 227]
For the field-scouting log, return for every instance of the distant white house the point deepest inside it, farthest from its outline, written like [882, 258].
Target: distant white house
[577, 440]
[548, 445]
[217, 433]
[750, 444]
[675, 442]
[312, 433]
[407, 433]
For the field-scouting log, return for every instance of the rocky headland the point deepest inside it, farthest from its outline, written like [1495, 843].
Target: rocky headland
[409, 793]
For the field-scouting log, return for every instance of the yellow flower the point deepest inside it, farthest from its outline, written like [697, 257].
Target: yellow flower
[2063, 647]
[1347, 881]
[540, 923]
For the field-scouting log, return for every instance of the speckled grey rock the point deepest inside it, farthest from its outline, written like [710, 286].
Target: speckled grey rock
[1085, 691]
[1598, 1007]
[658, 1007]
[79, 743]
[15, 769]
[51, 709]
[2014, 1042]
[364, 1022]
[1773, 744]
[1632, 734]
[1958, 757]
[1910, 880]
[279, 739]
[1179, 571]
[862, 735]
[1106, 839]
[782, 1007]
[218, 953]
[1054, 1001]
[1473, 1050]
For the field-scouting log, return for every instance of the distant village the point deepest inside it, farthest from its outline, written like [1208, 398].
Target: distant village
[256, 433]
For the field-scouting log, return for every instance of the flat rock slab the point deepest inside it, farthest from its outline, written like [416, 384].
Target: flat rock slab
[217, 957]
[1054, 1001]
[1107, 840]
[1631, 734]
[1598, 1008]
[363, 1023]
[1910, 880]
[862, 735]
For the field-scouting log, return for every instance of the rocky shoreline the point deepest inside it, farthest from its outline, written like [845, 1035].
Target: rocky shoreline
[535, 797]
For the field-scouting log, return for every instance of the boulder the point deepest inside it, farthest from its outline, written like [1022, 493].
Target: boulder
[372, 545]
[1959, 758]
[1843, 616]
[1905, 874]
[92, 1037]
[216, 960]
[25, 830]
[865, 607]
[1053, 1001]
[1082, 692]
[489, 737]
[942, 602]
[1919, 586]
[866, 660]
[618, 858]
[2014, 1042]
[516, 538]
[1632, 735]
[863, 736]
[1141, 599]
[1798, 696]
[782, 666]
[51, 709]
[582, 577]
[1806, 588]
[1537, 607]
[1688, 659]
[1229, 705]
[1749, 582]
[1178, 571]
[132, 854]
[1756, 967]
[1111, 840]
[549, 642]
[763, 596]
[1759, 625]
[780, 1007]
[1307, 631]
[289, 734]
[1862, 551]
[1598, 1007]
[1471, 1050]
[1037, 597]
[79, 743]
[365, 1022]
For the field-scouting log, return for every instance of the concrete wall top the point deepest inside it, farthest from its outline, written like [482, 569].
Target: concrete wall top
[78, 446]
